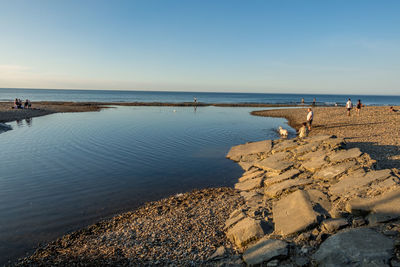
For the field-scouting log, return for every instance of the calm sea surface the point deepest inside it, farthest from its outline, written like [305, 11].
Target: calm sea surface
[174, 97]
[61, 172]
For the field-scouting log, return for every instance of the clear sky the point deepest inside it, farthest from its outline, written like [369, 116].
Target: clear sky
[272, 46]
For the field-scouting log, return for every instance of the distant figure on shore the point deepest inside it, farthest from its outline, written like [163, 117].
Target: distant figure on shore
[302, 100]
[314, 102]
[303, 131]
[349, 106]
[391, 109]
[195, 100]
[358, 107]
[27, 103]
[310, 117]
[17, 103]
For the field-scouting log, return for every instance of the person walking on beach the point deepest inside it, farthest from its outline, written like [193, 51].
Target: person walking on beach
[302, 101]
[358, 107]
[349, 106]
[195, 100]
[314, 102]
[310, 117]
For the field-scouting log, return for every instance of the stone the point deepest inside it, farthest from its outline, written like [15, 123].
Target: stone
[247, 195]
[305, 148]
[276, 189]
[342, 155]
[348, 183]
[333, 171]
[4, 127]
[251, 175]
[358, 221]
[273, 263]
[284, 145]
[385, 207]
[219, 253]
[312, 155]
[385, 184]
[355, 247]
[249, 184]
[245, 231]
[274, 165]
[265, 250]
[316, 138]
[333, 225]
[314, 164]
[320, 200]
[236, 152]
[234, 219]
[294, 213]
[335, 142]
[301, 261]
[281, 177]
[245, 165]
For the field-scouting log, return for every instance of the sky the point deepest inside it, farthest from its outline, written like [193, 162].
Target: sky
[332, 47]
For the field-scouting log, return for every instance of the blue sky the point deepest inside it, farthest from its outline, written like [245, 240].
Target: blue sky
[224, 46]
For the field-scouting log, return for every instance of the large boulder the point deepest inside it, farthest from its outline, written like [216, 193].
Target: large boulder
[294, 213]
[355, 247]
[265, 250]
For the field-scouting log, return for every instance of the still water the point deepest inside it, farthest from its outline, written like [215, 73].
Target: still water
[61, 172]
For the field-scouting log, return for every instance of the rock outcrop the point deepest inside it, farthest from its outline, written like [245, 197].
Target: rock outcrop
[312, 201]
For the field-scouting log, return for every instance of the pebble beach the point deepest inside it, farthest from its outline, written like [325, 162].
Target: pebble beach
[190, 228]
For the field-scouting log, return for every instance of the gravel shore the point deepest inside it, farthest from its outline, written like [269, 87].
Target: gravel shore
[185, 230]
[375, 131]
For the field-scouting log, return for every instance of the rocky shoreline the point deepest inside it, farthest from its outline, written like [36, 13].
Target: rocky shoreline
[313, 202]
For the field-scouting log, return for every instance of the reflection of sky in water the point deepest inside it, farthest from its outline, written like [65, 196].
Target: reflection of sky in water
[68, 170]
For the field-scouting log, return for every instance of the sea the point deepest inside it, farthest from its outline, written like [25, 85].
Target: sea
[9, 94]
[64, 171]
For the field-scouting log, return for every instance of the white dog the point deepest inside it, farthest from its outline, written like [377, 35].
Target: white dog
[283, 132]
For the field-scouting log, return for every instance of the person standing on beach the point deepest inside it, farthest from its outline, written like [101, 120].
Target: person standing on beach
[349, 106]
[314, 102]
[310, 117]
[358, 107]
[195, 100]
[302, 101]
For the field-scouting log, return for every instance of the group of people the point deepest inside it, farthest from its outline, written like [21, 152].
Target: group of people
[349, 106]
[19, 104]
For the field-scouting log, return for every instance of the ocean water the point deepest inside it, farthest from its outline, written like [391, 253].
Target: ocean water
[61, 172]
[174, 97]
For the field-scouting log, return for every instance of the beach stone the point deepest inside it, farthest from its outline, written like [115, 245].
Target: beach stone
[251, 175]
[305, 148]
[281, 177]
[274, 164]
[249, 194]
[335, 142]
[313, 155]
[249, 184]
[333, 225]
[219, 253]
[383, 208]
[245, 165]
[345, 154]
[234, 219]
[314, 164]
[386, 184]
[293, 213]
[236, 152]
[265, 250]
[355, 247]
[276, 189]
[331, 172]
[356, 180]
[245, 231]
[320, 200]
[284, 145]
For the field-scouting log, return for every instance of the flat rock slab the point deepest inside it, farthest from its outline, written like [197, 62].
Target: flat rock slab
[314, 164]
[320, 200]
[331, 172]
[284, 145]
[315, 154]
[276, 189]
[385, 207]
[251, 175]
[245, 165]
[234, 219]
[245, 231]
[335, 142]
[345, 154]
[274, 164]
[249, 184]
[236, 152]
[355, 247]
[333, 225]
[306, 148]
[293, 213]
[281, 177]
[265, 250]
[354, 181]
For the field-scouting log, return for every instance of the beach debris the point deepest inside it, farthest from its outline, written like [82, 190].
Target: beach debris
[4, 127]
